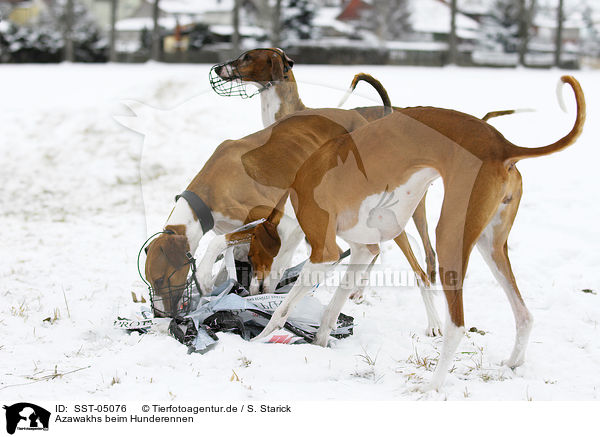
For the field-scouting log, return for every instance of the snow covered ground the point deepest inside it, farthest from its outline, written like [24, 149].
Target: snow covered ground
[72, 220]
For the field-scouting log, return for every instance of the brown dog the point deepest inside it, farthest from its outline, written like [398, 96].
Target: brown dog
[340, 190]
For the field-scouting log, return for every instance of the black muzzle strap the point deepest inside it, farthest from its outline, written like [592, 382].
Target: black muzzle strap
[200, 208]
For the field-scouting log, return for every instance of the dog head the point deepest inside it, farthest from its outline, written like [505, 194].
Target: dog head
[259, 66]
[264, 246]
[167, 267]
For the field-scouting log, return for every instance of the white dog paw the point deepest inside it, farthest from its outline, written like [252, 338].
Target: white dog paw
[358, 297]
[434, 331]
[513, 363]
[424, 387]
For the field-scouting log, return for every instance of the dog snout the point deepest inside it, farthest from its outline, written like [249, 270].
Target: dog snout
[223, 71]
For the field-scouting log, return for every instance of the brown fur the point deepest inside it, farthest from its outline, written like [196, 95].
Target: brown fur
[469, 154]
[166, 263]
[476, 164]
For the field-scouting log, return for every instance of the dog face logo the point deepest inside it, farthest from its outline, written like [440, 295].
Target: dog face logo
[25, 416]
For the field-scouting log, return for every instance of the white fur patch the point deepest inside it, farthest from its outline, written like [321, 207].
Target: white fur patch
[182, 215]
[383, 216]
[269, 104]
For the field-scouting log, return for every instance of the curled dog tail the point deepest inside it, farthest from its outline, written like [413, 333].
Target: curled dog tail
[385, 98]
[517, 153]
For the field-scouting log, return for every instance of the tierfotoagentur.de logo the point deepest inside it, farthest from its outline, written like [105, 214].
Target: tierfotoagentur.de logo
[26, 417]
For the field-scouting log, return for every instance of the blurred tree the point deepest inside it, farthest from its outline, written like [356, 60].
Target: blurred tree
[156, 39]
[146, 40]
[388, 19]
[453, 39]
[507, 28]
[591, 39]
[526, 11]
[44, 41]
[235, 37]
[276, 25]
[559, 32]
[68, 24]
[114, 4]
[296, 20]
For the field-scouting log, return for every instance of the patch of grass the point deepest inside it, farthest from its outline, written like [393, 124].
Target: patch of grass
[588, 291]
[426, 363]
[477, 331]
[54, 318]
[115, 380]
[20, 311]
[369, 373]
[367, 358]
[244, 361]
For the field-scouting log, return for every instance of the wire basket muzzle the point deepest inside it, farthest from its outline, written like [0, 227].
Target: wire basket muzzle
[232, 84]
[173, 301]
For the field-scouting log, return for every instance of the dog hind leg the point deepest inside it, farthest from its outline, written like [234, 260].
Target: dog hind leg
[434, 326]
[493, 247]
[464, 216]
[420, 220]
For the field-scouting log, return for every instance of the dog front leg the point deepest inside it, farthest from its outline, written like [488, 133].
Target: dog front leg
[205, 267]
[310, 275]
[360, 259]
[291, 235]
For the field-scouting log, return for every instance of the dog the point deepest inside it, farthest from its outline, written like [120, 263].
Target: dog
[364, 186]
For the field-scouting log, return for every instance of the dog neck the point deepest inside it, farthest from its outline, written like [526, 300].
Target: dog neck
[279, 100]
[182, 215]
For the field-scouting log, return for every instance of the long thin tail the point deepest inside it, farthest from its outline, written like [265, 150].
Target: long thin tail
[517, 153]
[385, 98]
[493, 114]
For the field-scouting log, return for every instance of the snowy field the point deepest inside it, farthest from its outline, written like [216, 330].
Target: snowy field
[72, 219]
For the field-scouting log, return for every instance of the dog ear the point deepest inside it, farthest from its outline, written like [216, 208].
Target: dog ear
[277, 67]
[175, 248]
[266, 238]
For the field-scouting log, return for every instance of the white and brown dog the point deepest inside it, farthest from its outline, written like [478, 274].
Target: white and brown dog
[338, 188]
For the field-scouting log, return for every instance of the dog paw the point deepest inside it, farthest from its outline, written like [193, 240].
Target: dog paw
[512, 364]
[424, 387]
[433, 331]
[357, 297]
[321, 340]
